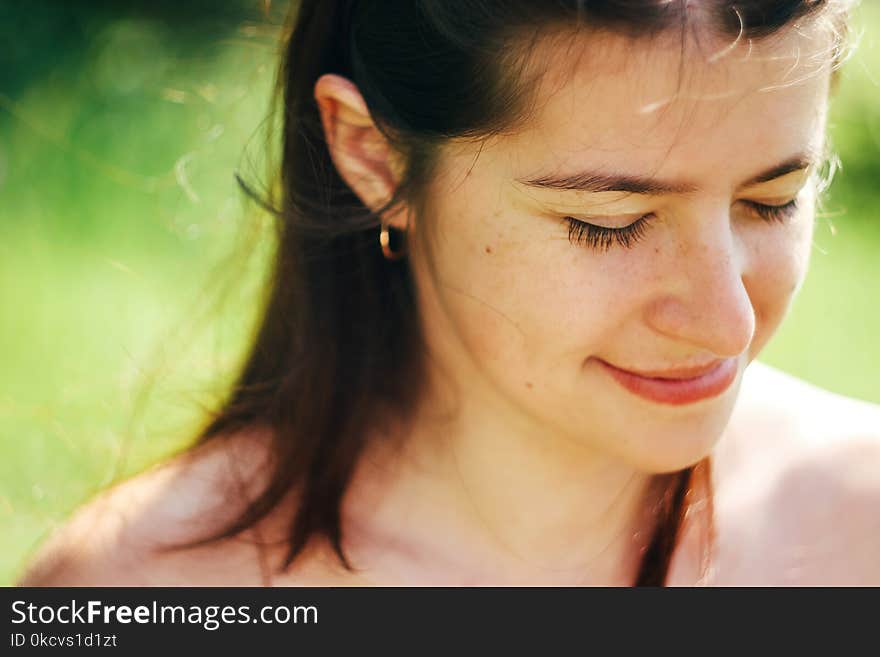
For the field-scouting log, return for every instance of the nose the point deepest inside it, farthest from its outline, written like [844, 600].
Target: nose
[703, 299]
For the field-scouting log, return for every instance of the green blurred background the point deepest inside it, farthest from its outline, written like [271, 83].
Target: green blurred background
[130, 263]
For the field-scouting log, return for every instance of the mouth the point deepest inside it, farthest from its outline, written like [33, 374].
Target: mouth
[676, 386]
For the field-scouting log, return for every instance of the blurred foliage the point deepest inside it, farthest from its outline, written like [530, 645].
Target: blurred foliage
[41, 36]
[130, 264]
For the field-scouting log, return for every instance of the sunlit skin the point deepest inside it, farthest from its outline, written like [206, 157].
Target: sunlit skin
[527, 462]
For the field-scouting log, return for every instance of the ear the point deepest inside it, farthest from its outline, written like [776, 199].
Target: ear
[361, 153]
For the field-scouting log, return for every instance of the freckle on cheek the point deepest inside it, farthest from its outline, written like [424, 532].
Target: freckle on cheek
[488, 249]
[529, 385]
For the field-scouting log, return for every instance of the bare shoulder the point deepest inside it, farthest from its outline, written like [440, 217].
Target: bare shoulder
[121, 538]
[798, 486]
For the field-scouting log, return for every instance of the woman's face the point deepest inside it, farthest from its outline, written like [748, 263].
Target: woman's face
[687, 149]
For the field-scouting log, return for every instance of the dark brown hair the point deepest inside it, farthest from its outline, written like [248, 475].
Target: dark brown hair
[339, 346]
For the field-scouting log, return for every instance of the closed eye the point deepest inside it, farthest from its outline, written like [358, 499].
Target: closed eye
[773, 212]
[603, 238]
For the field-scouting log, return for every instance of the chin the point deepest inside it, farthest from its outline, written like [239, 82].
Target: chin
[672, 461]
[672, 451]
[658, 437]
[664, 442]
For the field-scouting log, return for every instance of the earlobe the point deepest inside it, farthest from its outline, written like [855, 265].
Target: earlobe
[360, 152]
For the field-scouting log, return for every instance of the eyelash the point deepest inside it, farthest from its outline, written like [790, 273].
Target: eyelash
[774, 212]
[602, 238]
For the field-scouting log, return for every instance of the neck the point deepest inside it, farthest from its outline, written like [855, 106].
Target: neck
[477, 494]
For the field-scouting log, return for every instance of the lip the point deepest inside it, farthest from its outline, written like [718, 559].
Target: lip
[677, 386]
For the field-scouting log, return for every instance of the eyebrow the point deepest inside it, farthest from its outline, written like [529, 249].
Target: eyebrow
[594, 181]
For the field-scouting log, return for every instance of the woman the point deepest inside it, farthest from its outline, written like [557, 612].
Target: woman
[527, 252]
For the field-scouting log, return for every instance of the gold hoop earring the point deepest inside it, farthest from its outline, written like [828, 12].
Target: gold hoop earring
[385, 243]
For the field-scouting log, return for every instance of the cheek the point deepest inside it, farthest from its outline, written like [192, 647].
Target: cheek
[521, 299]
[780, 259]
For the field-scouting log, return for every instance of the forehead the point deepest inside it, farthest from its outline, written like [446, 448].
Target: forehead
[675, 105]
